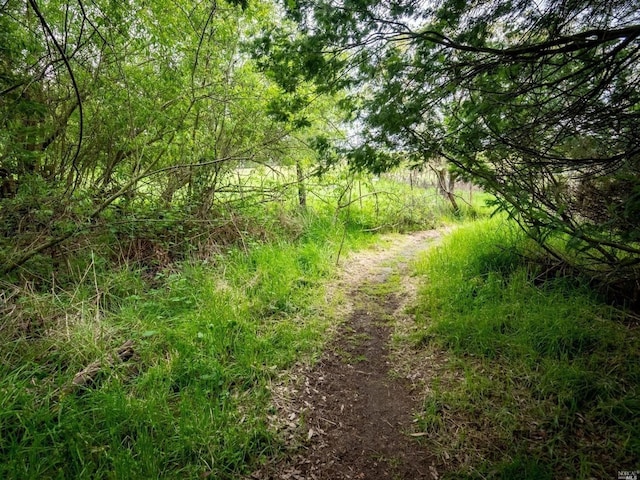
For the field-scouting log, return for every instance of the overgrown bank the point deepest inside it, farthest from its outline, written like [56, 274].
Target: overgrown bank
[206, 339]
[205, 323]
[544, 381]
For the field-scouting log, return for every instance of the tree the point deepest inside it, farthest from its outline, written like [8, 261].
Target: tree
[537, 102]
[122, 113]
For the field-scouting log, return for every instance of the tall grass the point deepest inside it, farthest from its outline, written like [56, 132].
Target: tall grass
[211, 325]
[545, 378]
[192, 401]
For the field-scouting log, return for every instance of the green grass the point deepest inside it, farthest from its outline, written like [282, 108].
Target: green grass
[544, 379]
[208, 337]
[241, 301]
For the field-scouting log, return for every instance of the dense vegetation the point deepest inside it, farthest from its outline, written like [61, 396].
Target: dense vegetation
[179, 180]
[120, 118]
[207, 335]
[537, 102]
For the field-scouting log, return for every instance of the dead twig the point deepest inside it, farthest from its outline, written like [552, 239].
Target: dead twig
[87, 376]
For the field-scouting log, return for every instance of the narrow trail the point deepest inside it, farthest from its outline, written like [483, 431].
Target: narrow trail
[356, 411]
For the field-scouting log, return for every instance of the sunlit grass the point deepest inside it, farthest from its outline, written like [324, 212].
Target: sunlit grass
[214, 313]
[546, 377]
[208, 338]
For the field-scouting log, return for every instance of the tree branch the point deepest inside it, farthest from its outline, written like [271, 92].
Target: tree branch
[64, 58]
[564, 44]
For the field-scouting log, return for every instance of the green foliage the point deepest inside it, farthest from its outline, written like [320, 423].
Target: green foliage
[142, 117]
[537, 106]
[522, 468]
[216, 307]
[545, 364]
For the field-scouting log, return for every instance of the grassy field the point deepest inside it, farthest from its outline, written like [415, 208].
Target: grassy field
[544, 377]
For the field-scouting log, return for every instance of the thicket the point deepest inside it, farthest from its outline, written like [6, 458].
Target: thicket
[130, 124]
[538, 104]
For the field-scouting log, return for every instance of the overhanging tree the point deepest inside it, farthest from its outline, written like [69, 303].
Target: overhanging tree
[538, 102]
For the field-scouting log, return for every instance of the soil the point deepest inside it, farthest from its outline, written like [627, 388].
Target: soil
[351, 415]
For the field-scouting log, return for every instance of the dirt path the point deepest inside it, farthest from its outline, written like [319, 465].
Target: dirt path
[356, 410]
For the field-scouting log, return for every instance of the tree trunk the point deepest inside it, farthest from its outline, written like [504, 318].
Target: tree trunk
[302, 191]
[446, 184]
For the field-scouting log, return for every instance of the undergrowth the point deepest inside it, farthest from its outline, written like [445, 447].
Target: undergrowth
[144, 347]
[207, 338]
[212, 311]
[544, 378]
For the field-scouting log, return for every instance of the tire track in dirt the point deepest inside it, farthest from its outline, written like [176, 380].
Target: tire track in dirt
[357, 417]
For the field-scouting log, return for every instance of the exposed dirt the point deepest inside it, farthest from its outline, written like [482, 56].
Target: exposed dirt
[351, 415]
